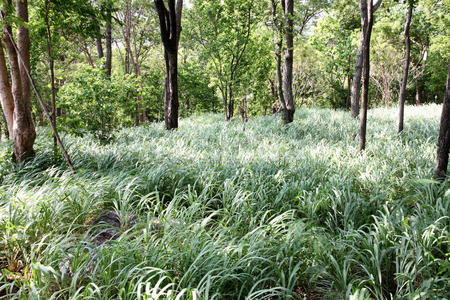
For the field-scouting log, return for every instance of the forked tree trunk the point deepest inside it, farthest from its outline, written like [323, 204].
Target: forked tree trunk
[24, 133]
[356, 83]
[289, 109]
[170, 25]
[367, 21]
[401, 101]
[440, 170]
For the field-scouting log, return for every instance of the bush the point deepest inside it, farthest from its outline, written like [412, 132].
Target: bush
[94, 103]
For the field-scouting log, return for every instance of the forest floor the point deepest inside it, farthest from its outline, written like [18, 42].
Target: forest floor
[218, 210]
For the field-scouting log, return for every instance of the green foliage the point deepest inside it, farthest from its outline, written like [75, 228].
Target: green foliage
[94, 103]
[233, 211]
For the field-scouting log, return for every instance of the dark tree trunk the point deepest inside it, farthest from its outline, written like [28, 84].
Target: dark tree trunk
[401, 100]
[349, 93]
[289, 109]
[171, 91]
[170, 25]
[419, 92]
[108, 40]
[356, 86]
[98, 41]
[230, 110]
[367, 21]
[440, 171]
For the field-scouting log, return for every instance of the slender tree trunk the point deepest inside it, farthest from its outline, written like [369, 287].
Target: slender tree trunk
[349, 93]
[356, 85]
[7, 99]
[280, 75]
[279, 53]
[288, 112]
[440, 171]
[98, 41]
[230, 101]
[367, 20]
[52, 67]
[419, 92]
[170, 25]
[401, 101]
[108, 39]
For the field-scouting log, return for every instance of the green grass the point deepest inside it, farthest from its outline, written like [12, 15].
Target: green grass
[233, 211]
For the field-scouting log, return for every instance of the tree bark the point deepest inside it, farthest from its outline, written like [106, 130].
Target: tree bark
[171, 91]
[98, 41]
[289, 109]
[52, 66]
[170, 25]
[356, 83]
[108, 40]
[401, 100]
[230, 110]
[440, 170]
[279, 54]
[6, 97]
[24, 133]
[23, 43]
[419, 92]
[349, 93]
[367, 21]
[356, 86]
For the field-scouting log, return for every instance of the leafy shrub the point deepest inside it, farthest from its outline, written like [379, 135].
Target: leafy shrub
[94, 103]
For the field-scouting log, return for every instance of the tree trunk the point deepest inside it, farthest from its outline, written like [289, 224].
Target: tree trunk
[230, 101]
[23, 43]
[24, 132]
[401, 101]
[419, 92]
[108, 39]
[279, 54]
[289, 110]
[52, 67]
[356, 86]
[367, 20]
[7, 99]
[170, 25]
[171, 90]
[98, 41]
[440, 171]
[349, 93]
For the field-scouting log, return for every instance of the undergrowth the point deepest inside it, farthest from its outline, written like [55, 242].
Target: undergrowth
[232, 211]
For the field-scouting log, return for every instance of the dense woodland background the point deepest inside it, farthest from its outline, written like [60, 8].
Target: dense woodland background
[213, 36]
[212, 149]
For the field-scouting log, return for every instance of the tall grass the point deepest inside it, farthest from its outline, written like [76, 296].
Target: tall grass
[221, 210]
